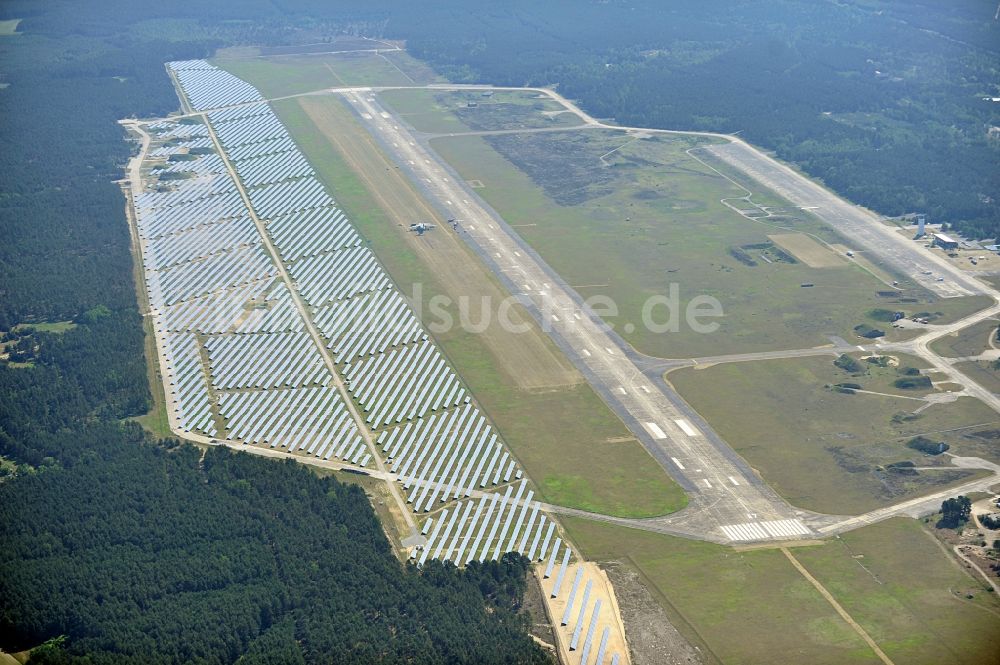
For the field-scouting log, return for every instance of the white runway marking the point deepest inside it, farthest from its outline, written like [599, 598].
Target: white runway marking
[734, 481]
[654, 430]
[780, 528]
[707, 484]
[577, 315]
[766, 530]
[861, 348]
[585, 352]
[686, 427]
[555, 318]
[678, 463]
[622, 391]
[645, 389]
[609, 350]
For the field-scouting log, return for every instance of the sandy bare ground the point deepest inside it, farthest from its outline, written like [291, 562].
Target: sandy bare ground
[652, 638]
[609, 616]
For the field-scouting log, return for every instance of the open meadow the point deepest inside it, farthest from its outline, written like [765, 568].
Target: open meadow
[829, 450]
[752, 606]
[574, 448]
[444, 111]
[970, 341]
[627, 216]
[297, 74]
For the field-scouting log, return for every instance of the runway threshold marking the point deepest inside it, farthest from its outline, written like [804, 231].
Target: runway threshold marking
[686, 427]
[678, 463]
[655, 431]
[585, 353]
[766, 530]
[734, 481]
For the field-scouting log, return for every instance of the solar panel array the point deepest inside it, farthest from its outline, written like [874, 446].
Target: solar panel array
[483, 529]
[238, 362]
[217, 292]
[446, 456]
[209, 87]
[312, 419]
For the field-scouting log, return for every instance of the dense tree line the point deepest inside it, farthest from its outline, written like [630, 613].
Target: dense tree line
[884, 101]
[121, 549]
[145, 553]
[955, 512]
[140, 551]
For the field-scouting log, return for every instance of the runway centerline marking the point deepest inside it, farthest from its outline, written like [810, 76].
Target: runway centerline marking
[655, 431]
[686, 427]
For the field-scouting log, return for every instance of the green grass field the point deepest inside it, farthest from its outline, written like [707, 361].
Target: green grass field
[292, 75]
[628, 218]
[823, 450]
[894, 579]
[969, 341]
[572, 446]
[983, 373]
[425, 110]
[57, 327]
[441, 112]
[754, 607]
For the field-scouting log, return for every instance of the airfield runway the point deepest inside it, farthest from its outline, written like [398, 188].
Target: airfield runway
[851, 221]
[729, 502]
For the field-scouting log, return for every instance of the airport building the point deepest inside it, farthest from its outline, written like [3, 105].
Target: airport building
[945, 241]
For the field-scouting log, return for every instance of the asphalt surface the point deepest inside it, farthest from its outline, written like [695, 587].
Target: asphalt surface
[855, 223]
[723, 490]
